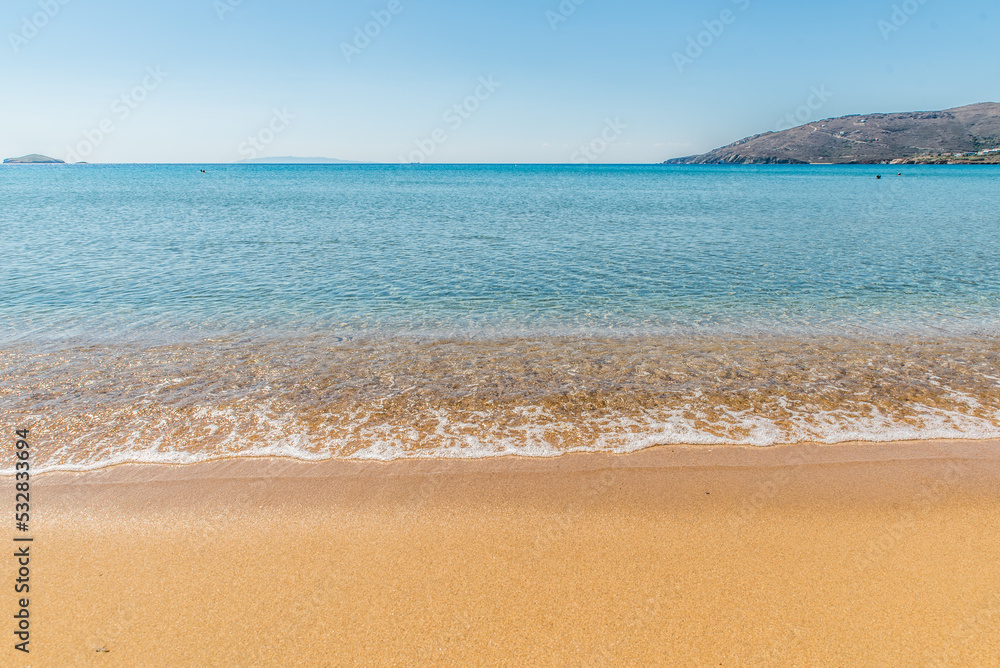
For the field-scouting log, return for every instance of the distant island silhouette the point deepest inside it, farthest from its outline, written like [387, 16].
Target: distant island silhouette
[34, 159]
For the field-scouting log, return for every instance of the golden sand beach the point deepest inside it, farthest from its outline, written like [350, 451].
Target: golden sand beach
[848, 555]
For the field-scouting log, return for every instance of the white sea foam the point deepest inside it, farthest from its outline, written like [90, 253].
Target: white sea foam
[403, 399]
[543, 437]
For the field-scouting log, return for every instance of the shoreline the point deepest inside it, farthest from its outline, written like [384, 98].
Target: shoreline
[843, 555]
[386, 400]
[674, 455]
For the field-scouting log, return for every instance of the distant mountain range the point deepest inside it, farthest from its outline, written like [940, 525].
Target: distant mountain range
[33, 159]
[291, 160]
[964, 135]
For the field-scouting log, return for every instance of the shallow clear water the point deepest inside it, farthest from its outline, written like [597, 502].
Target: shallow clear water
[158, 313]
[102, 249]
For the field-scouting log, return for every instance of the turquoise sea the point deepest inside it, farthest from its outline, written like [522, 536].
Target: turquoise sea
[158, 313]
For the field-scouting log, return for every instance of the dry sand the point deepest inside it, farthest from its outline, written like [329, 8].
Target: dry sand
[851, 555]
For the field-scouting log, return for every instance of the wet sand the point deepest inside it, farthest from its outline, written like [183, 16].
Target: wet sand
[861, 555]
[319, 397]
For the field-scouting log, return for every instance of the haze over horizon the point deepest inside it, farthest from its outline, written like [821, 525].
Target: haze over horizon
[523, 81]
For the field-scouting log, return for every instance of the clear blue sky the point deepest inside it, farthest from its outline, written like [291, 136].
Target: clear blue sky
[558, 87]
